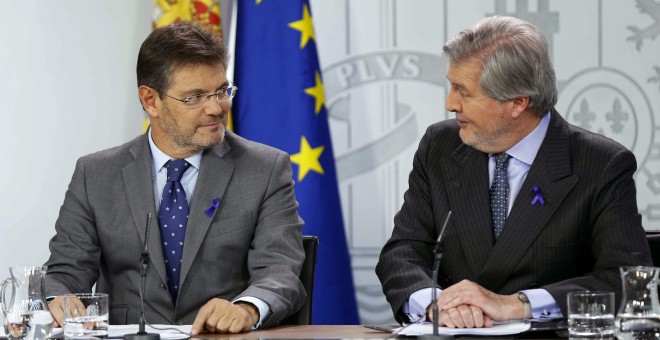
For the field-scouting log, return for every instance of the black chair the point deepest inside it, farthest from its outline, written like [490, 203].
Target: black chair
[653, 238]
[304, 315]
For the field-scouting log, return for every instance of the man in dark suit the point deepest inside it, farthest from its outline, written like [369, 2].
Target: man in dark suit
[226, 245]
[539, 207]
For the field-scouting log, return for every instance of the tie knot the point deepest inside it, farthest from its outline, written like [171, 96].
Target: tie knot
[502, 161]
[175, 169]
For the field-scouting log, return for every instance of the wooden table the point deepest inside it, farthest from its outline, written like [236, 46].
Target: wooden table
[307, 332]
[355, 332]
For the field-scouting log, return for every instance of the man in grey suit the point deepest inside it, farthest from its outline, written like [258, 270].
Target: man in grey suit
[539, 207]
[236, 263]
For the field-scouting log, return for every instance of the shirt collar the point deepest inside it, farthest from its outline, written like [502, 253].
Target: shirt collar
[527, 148]
[160, 158]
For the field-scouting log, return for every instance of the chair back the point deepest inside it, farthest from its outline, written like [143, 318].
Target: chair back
[304, 315]
[653, 238]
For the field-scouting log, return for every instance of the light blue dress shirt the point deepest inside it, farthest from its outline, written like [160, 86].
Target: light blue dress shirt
[188, 181]
[544, 306]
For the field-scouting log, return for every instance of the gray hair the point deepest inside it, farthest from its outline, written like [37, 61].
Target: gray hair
[514, 57]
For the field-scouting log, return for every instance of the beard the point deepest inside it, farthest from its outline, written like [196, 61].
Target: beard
[188, 139]
[484, 140]
[490, 135]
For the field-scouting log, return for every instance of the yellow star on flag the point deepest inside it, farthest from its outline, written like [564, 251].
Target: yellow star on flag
[305, 26]
[307, 159]
[317, 92]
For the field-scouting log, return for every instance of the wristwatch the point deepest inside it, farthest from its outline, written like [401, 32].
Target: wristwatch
[528, 307]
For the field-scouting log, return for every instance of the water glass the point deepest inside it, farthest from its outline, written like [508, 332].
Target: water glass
[85, 316]
[639, 313]
[591, 315]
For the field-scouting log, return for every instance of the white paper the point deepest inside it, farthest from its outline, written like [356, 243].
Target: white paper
[165, 331]
[497, 329]
[118, 331]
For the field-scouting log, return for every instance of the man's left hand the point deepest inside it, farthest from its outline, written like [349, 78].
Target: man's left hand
[496, 307]
[222, 316]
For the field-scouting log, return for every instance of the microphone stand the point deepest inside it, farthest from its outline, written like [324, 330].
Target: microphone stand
[144, 263]
[437, 252]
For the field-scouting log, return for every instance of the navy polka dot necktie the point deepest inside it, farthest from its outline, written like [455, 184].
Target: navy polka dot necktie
[173, 217]
[499, 193]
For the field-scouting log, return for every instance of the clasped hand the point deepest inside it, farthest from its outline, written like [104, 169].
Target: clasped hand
[467, 305]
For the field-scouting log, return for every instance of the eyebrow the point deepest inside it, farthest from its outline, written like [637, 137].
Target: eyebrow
[192, 92]
[195, 92]
[458, 86]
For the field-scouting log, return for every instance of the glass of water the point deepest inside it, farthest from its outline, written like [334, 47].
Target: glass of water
[591, 315]
[85, 316]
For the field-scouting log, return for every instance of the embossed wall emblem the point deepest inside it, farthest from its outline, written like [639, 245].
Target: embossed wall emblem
[385, 83]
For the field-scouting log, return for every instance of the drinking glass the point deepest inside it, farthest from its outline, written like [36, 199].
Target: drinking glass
[639, 313]
[85, 316]
[591, 315]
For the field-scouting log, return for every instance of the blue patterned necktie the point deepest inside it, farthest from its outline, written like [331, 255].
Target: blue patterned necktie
[499, 193]
[173, 217]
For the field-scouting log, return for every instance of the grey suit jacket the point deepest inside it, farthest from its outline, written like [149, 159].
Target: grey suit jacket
[250, 246]
[587, 228]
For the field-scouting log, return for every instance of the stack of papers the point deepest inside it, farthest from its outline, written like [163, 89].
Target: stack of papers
[504, 328]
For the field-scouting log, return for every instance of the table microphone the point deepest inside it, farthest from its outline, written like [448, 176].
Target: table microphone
[437, 251]
[144, 263]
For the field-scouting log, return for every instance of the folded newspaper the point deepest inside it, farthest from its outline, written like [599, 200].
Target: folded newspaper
[503, 328]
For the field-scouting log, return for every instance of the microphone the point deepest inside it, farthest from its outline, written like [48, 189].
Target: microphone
[144, 263]
[437, 251]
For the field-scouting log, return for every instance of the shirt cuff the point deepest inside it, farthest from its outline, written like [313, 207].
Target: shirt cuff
[262, 306]
[415, 307]
[544, 306]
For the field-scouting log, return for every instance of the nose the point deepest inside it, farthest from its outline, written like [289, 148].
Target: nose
[213, 107]
[452, 103]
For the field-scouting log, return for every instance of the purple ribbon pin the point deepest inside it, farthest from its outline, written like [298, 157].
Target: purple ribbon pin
[214, 205]
[537, 197]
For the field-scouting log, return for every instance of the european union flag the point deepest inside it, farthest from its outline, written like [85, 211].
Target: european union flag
[281, 103]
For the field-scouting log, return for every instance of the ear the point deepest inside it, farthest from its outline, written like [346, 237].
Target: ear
[519, 105]
[150, 100]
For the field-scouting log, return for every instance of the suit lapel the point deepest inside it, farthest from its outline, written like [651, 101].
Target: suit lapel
[138, 183]
[214, 175]
[467, 181]
[551, 172]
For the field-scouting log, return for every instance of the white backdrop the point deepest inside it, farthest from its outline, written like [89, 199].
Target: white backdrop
[67, 84]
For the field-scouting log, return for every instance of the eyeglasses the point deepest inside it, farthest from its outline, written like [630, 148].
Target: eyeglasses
[222, 95]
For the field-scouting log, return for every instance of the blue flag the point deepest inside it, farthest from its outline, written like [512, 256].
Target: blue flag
[281, 103]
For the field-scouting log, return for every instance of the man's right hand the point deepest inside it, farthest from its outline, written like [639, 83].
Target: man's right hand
[462, 316]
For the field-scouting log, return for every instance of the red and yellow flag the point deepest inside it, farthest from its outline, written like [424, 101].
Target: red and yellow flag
[206, 12]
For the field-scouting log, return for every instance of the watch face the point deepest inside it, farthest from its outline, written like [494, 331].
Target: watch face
[523, 297]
